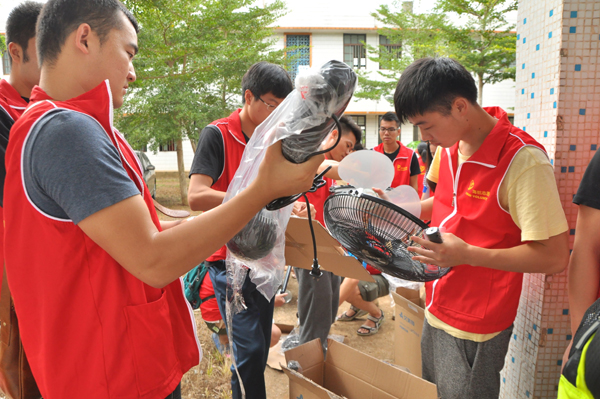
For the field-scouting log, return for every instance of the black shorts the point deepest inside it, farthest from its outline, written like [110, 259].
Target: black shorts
[369, 291]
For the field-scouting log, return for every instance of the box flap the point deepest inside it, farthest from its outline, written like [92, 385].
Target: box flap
[299, 250]
[310, 357]
[356, 375]
[302, 387]
[408, 329]
[412, 295]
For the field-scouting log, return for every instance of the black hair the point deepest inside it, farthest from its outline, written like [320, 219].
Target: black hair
[59, 18]
[432, 84]
[358, 147]
[263, 78]
[422, 150]
[20, 25]
[349, 126]
[391, 117]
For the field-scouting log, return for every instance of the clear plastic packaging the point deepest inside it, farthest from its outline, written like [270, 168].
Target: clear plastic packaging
[303, 120]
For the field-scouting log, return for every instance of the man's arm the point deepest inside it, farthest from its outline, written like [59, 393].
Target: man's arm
[126, 232]
[201, 196]
[545, 256]
[333, 172]
[584, 265]
[414, 183]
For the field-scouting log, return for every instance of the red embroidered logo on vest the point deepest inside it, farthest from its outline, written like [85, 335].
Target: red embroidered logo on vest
[477, 194]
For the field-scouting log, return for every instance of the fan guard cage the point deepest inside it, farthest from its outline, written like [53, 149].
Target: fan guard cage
[378, 232]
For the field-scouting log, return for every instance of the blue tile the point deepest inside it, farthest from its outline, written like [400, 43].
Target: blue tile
[535, 327]
[523, 66]
[551, 331]
[563, 169]
[527, 393]
[528, 115]
[551, 12]
[524, 128]
[533, 75]
[573, 29]
[572, 232]
[552, 162]
[549, 35]
[522, 91]
[504, 380]
[519, 36]
[551, 91]
[546, 133]
[578, 67]
[593, 147]
[572, 170]
[572, 147]
[529, 336]
[525, 20]
[573, 14]
[532, 95]
[537, 47]
[565, 312]
[559, 362]
[569, 337]
[513, 359]
[515, 336]
[524, 40]
[582, 111]
[554, 104]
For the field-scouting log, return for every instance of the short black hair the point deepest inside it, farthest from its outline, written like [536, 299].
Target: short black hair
[20, 25]
[391, 117]
[349, 126]
[432, 84]
[358, 147]
[264, 77]
[61, 17]
[422, 150]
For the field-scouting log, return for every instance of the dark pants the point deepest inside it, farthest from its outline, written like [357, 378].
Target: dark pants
[463, 369]
[176, 393]
[251, 334]
[318, 301]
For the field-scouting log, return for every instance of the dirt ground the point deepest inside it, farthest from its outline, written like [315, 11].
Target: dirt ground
[210, 379]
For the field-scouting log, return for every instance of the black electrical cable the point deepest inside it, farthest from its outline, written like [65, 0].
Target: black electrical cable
[316, 269]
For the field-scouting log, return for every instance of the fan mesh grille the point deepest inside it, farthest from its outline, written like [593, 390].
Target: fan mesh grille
[377, 234]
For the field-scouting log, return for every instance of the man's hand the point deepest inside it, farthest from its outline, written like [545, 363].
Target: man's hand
[451, 252]
[301, 210]
[280, 300]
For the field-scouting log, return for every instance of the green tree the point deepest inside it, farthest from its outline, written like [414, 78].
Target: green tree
[483, 42]
[193, 54]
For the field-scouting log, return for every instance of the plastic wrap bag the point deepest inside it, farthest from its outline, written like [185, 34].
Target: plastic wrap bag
[303, 120]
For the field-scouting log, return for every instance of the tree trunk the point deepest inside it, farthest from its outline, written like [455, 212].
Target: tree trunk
[480, 89]
[181, 168]
[194, 143]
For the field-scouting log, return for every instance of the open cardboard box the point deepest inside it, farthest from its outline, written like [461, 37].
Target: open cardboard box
[410, 316]
[348, 373]
[299, 250]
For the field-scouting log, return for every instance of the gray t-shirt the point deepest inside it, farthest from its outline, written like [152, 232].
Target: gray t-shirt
[71, 168]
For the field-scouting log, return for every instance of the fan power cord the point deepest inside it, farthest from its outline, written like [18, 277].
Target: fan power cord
[316, 269]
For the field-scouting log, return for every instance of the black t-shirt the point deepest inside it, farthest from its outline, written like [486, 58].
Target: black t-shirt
[210, 153]
[589, 188]
[415, 169]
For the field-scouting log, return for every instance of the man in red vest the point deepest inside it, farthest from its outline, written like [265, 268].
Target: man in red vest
[218, 156]
[496, 199]
[95, 279]
[406, 164]
[16, 89]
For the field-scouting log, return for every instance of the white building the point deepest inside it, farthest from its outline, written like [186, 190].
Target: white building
[334, 29]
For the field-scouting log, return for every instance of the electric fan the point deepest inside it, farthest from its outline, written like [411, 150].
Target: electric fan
[379, 232]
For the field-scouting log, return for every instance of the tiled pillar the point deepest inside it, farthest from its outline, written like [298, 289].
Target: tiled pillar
[558, 103]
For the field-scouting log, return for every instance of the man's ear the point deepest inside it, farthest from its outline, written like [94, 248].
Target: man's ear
[461, 105]
[16, 52]
[83, 38]
[248, 96]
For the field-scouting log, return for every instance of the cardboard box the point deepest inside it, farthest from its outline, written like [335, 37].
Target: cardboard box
[332, 258]
[410, 316]
[348, 373]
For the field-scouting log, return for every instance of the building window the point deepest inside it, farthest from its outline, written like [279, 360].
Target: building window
[5, 63]
[355, 54]
[169, 146]
[389, 51]
[300, 57]
[361, 121]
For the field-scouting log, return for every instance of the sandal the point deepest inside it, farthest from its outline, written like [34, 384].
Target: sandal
[371, 330]
[357, 313]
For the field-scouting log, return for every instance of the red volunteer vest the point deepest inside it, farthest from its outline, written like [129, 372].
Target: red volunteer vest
[13, 105]
[401, 164]
[234, 144]
[318, 198]
[478, 299]
[89, 327]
